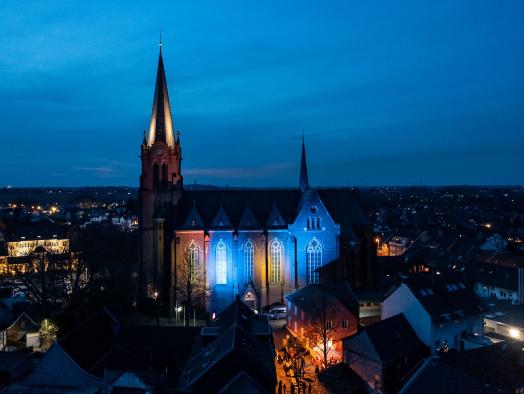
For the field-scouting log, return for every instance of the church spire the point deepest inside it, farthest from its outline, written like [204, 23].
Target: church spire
[303, 182]
[161, 124]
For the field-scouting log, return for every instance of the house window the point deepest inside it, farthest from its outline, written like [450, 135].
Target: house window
[221, 266]
[313, 260]
[276, 261]
[344, 324]
[329, 324]
[249, 257]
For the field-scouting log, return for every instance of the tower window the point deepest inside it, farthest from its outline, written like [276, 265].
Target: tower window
[164, 175]
[221, 265]
[156, 176]
[313, 260]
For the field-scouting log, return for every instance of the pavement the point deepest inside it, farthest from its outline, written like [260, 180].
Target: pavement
[279, 334]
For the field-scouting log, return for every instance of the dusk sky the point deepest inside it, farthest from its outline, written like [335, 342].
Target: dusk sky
[386, 92]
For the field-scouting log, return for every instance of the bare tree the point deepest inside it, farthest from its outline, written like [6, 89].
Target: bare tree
[190, 286]
[321, 328]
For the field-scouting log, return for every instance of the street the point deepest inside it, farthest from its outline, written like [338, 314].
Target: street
[279, 336]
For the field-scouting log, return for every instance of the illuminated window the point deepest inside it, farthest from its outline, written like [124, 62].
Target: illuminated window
[221, 265]
[276, 260]
[249, 258]
[192, 260]
[313, 260]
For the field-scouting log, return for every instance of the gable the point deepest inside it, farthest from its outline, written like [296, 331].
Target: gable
[312, 214]
[248, 218]
[361, 346]
[221, 219]
[275, 218]
[57, 369]
[193, 220]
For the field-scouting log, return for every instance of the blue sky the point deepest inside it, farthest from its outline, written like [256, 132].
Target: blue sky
[385, 92]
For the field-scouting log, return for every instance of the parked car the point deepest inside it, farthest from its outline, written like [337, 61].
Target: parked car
[277, 312]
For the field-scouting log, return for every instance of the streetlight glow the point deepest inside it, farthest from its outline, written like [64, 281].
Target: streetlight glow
[514, 333]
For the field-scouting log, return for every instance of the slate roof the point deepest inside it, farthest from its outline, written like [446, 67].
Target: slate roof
[309, 298]
[87, 343]
[436, 377]
[392, 338]
[235, 343]
[445, 297]
[495, 275]
[342, 204]
[500, 365]
[43, 229]
[240, 314]
[10, 361]
[164, 343]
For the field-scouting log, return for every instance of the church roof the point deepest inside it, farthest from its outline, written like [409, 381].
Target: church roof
[161, 123]
[221, 219]
[342, 204]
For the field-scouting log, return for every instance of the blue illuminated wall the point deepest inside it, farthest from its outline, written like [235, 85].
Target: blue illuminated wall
[312, 223]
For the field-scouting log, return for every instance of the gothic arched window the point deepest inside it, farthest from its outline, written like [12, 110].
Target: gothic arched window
[164, 175]
[313, 260]
[156, 176]
[221, 265]
[192, 261]
[249, 260]
[276, 260]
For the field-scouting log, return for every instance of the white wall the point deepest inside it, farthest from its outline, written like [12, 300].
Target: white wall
[486, 291]
[450, 331]
[403, 301]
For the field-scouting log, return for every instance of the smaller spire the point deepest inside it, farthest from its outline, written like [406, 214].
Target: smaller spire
[303, 182]
[160, 41]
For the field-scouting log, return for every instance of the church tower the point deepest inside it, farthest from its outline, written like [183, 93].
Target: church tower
[160, 189]
[303, 181]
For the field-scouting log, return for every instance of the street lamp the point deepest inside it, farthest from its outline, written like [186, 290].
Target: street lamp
[155, 298]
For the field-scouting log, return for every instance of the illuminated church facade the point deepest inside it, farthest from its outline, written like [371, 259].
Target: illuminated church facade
[260, 244]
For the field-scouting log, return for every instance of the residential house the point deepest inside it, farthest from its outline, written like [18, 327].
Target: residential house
[504, 319]
[444, 312]
[386, 353]
[311, 307]
[233, 354]
[436, 377]
[503, 282]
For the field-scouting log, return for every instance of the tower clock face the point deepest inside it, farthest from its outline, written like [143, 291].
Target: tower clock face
[159, 151]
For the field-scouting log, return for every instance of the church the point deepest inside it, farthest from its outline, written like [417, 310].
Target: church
[201, 247]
